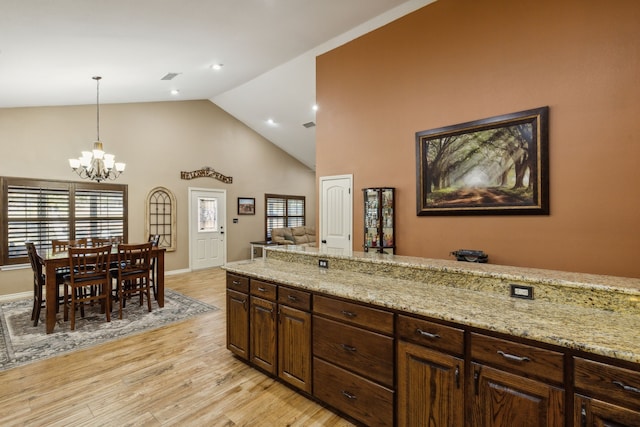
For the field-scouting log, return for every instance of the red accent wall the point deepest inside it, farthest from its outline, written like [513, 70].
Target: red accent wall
[456, 61]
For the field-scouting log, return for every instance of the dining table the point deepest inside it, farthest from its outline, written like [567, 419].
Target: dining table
[56, 260]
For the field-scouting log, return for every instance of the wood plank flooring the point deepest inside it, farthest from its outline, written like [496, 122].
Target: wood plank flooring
[181, 374]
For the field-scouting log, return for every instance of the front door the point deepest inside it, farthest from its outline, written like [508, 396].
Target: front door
[336, 207]
[207, 213]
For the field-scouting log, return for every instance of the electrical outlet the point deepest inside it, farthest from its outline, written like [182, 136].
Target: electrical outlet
[323, 263]
[521, 291]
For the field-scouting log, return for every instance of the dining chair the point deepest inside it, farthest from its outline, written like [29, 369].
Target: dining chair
[116, 240]
[39, 281]
[155, 241]
[63, 245]
[100, 241]
[132, 273]
[88, 270]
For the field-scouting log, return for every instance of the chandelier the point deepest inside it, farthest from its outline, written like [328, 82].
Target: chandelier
[97, 165]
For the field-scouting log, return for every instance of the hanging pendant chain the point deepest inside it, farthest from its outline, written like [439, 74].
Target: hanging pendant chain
[97, 79]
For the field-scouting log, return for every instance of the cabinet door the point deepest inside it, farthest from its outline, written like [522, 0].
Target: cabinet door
[595, 413]
[238, 323]
[294, 347]
[430, 387]
[507, 400]
[263, 334]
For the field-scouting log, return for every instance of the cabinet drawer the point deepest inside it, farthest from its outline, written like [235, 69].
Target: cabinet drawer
[294, 298]
[366, 401]
[524, 359]
[368, 317]
[238, 283]
[264, 290]
[607, 382]
[430, 334]
[368, 353]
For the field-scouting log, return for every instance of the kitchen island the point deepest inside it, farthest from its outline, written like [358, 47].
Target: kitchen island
[576, 326]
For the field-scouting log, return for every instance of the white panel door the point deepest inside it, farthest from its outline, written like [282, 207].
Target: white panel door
[336, 213]
[207, 213]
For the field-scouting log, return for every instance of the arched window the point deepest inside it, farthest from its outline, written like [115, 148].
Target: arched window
[161, 217]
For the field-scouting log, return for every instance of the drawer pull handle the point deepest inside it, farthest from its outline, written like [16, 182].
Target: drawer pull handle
[627, 387]
[427, 334]
[513, 357]
[349, 313]
[262, 289]
[236, 282]
[292, 298]
[349, 395]
[348, 347]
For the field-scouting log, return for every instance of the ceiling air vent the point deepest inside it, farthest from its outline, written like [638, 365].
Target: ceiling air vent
[170, 76]
[309, 125]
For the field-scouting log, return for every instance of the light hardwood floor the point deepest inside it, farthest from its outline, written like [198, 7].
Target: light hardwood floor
[181, 374]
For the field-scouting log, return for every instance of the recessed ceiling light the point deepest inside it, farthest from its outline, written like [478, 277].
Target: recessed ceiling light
[271, 122]
[315, 107]
[175, 91]
[217, 67]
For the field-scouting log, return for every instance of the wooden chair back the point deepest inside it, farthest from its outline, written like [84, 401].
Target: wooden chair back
[35, 260]
[116, 240]
[88, 280]
[134, 258]
[154, 239]
[133, 273]
[64, 245]
[37, 265]
[89, 264]
[100, 241]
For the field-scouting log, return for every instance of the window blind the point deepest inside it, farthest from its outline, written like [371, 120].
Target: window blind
[283, 211]
[40, 211]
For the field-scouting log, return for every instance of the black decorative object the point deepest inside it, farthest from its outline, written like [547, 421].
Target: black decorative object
[470, 255]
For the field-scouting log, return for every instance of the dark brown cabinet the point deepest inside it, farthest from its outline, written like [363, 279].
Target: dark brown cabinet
[238, 315]
[506, 400]
[294, 338]
[590, 412]
[430, 387]
[514, 384]
[431, 382]
[608, 396]
[262, 329]
[383, 367]
[353, 359]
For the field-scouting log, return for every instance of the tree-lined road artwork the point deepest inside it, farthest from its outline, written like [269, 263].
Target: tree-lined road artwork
[485, 168]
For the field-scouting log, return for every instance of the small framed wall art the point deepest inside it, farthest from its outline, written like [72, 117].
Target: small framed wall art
[246, 206]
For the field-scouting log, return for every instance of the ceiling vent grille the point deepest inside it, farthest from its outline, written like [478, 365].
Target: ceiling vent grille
[170, 76]
[309, 125]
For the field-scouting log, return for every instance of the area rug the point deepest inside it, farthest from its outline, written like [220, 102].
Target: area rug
[21, 342]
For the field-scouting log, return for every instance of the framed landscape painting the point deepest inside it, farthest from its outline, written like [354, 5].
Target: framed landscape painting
[494, 166]
[246, 206]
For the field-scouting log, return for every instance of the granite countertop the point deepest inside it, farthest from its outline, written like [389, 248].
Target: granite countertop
[594, 330]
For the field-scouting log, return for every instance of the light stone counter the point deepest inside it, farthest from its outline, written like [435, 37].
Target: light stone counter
[473, 295]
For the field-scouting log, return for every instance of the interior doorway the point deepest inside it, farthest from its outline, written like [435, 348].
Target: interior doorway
[336, 213]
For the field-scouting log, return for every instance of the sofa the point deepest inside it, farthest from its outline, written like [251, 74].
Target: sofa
[301, 236]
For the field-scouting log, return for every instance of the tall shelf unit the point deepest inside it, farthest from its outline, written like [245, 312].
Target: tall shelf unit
[379, 219]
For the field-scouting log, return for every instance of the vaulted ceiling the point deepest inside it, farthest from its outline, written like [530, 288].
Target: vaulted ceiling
[144, 49]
